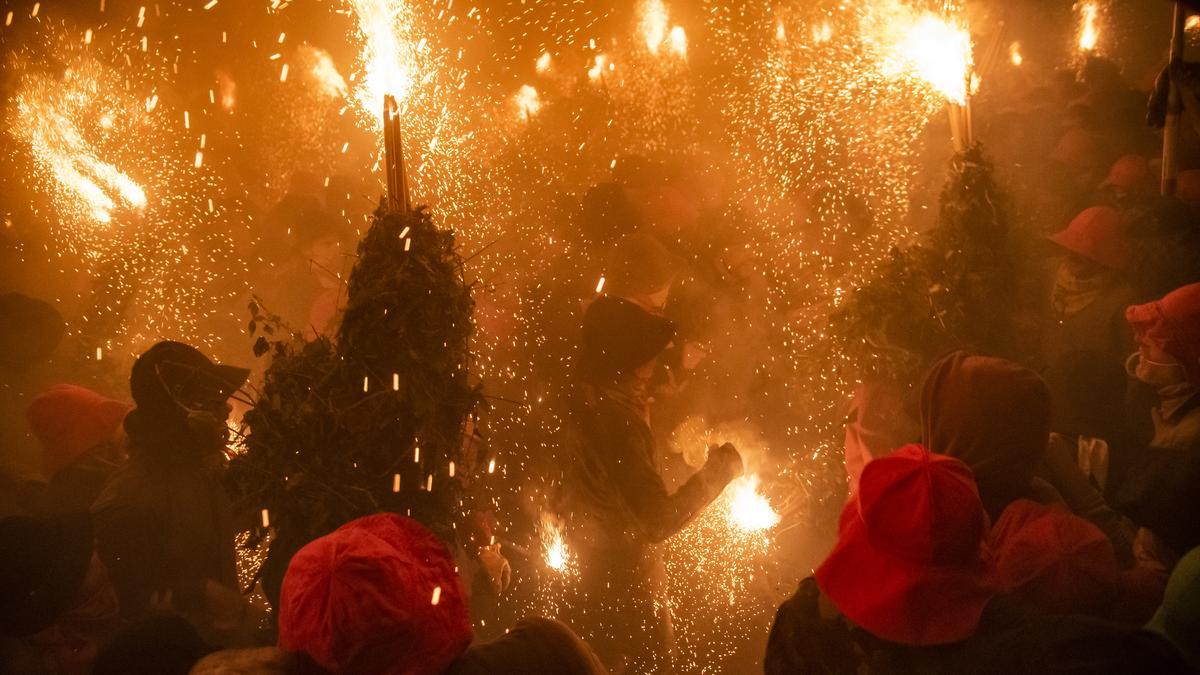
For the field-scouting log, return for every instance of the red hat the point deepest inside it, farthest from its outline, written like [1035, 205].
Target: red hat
[908, 564]
[378, 595]
[1096, 235]
[1130, 173]
[1173, 325]
[1187, 186]
[69, 420]
[1053, 560]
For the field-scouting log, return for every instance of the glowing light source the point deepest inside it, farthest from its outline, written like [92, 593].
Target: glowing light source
[939, 53]
[1089, 30]
[653, 24]
[554, 544]
[387, 62]
[325, 73]
[543, 62]
[1014, 54]
[678, 41]
[748, 510]
[527, 101]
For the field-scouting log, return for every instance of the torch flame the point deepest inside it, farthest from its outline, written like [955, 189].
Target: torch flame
[653, 24]
[1014, 54]
[939, 53]
[748, 510]
[387, 62]
[1089, 30]
[325, 72]
[558, 557]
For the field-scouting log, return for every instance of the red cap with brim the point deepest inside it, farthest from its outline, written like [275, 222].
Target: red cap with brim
[908, 564]
[1095, 234]
[1130, 173]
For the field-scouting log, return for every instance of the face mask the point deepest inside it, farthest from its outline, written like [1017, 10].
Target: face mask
[1154, 373]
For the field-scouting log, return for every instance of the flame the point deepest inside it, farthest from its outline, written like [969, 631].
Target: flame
[596, 72]
[387, 63]
[1014, 54]
[653, 24]
[1089, 31]
[678, 41]
[543, 63]
[558, 556]
[748, 510]
[928, 47]
[325, 72]
[822, 33]
[527, 100]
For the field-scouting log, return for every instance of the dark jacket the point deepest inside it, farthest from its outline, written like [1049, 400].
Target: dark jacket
[1162, 488]
[532, 646]
[164, 522]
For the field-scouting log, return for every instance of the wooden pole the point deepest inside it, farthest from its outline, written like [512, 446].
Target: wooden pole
[1170, 157]
[393, 157]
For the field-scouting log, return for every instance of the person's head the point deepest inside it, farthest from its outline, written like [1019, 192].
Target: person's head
[42, 570]
[30, 330]
[70, 420]
[1050, 561]
[378, 595]
[1094, 242]
[175, 387]
[992, 414]
[908, 566]
[1168, 336]
[641, 270]
[165, 644]
[1129, 179]
[621, 341]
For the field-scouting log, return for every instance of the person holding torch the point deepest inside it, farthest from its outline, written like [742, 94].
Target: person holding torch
[618, 508]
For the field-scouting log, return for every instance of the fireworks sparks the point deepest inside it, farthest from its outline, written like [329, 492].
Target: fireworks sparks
[388, 62]
[554, 545]
[932, 49]
[323, 70]
[527, 101]
[1089, 28]
[749, 510]
[1014, 54]
[653, 24]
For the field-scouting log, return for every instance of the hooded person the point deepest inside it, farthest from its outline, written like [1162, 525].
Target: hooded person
[617, 505]
[1088, 300]
[381, 596]
[1163, 484]
[82, 443]
[164, 523]
[994, 415]
[906, 582]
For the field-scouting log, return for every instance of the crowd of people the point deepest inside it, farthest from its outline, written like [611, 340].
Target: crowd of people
[1026, 512]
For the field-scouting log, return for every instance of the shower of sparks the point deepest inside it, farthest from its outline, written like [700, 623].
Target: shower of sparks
[388, 62]
[929, 47]
[1089, 29]
[323, 70]
[554, 544]
[654, 24]
[527, 101]
[749, 510]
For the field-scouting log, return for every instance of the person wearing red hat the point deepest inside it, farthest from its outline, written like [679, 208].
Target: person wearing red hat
[907, 578]
[1162, 491]
[1047, 560]
[617, 505]
[82, 443]
[1090, 292]
[1129, 182]
[164, 523]
[381, 596]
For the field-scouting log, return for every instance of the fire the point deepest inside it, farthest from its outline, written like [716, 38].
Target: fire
[557, 556]
[596, 72]
[528, 102]
[653, 24]
[323, 70]
[928, 47]
[749, 510]
[1089, 30]
[544, 62]
[1014, 54]
[387, 62]
[678, 41]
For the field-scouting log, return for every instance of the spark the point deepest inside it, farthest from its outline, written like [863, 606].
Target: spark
[653, 24]
[748, 510]
[554, 544]
[388, 59]
[678, 41]
[1014, 54]
[324, 71]
[930, 48]
[544, 62]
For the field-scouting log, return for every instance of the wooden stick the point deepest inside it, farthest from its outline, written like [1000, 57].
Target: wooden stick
[393, 157]
[1170, 158]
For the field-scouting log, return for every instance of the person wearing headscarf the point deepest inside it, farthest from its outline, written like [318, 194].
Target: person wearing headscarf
[994, 415]
[1090, 293]
[381, 595]
[164, 523]
[906, 583]
[1162, 490]
[82, 443]
[617, 506]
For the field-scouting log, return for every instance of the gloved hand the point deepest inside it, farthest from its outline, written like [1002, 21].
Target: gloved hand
[725, 462]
